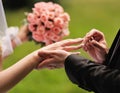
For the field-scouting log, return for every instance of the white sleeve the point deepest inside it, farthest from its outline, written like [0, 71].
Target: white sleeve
[12, 32]
[6, 46]
[11, 35]
[4, 37]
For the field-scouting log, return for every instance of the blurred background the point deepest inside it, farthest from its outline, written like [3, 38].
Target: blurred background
[103, 15]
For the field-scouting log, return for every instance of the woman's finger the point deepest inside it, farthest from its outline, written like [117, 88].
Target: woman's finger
[69, 42]
[71, 48]
[76, 53]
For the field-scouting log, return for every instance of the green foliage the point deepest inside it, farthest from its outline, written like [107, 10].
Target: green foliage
[85, 15]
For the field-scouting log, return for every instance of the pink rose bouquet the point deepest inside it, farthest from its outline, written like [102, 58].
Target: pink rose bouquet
[48, 23]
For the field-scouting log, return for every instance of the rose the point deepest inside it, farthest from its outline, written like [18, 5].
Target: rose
[48, 22]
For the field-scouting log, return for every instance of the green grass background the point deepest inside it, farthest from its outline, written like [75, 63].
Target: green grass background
[85, 15]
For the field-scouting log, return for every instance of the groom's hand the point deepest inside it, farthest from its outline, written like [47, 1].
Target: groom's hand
[96, 46]
[67, 45]
[53, 58]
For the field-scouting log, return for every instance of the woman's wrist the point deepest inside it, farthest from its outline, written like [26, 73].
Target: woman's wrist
[35, 59]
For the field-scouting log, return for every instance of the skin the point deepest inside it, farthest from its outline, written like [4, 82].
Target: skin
[46, 57]
[17, 72]
[56, 57]
[22, 68]
[0, 58]
[95, 45]
[62, 45]
[22, 35]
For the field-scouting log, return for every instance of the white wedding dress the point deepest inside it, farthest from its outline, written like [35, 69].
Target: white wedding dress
[5, 41]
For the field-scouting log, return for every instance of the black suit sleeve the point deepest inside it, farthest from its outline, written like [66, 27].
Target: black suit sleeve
[91, 76]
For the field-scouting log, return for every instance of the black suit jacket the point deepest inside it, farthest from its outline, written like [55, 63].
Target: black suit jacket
[100, 78]
[113, 56]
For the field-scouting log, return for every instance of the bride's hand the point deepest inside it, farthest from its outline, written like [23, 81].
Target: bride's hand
[23, 32]
[68, 45]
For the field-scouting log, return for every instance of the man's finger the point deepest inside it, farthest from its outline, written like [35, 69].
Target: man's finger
[98, 45]
[45, 63]
[94, 32]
